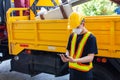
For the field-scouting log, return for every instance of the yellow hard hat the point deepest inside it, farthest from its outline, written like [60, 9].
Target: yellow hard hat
[75, 19]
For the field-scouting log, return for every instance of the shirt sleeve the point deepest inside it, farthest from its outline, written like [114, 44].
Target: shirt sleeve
[92, 45]
[69, 42]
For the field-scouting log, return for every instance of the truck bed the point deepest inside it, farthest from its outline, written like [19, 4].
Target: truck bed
[52, 35]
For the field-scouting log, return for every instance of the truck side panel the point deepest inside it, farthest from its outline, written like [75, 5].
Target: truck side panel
[40, 35]
[106, 29]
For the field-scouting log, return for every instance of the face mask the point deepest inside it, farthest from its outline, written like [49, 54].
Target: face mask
[77, 31]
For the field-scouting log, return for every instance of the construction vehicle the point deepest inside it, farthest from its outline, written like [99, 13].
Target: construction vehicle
[35, 44]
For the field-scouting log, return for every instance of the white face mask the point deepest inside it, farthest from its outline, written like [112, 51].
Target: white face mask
[77, 31]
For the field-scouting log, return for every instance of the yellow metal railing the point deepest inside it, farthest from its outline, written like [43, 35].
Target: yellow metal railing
[11, 17]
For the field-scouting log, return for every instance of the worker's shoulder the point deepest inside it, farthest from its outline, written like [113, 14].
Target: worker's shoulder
[92, 36]
[71, 34]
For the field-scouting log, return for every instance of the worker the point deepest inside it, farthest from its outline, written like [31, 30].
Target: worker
[4, 6]
[22, 4]
[81, 49]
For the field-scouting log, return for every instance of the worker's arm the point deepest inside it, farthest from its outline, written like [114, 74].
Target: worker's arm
[88, 58]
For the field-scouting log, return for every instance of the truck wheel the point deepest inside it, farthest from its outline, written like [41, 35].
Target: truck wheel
[100, 73]
[64, 69]
[115, 63]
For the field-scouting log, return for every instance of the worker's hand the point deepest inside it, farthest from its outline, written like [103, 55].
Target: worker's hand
[64, 58]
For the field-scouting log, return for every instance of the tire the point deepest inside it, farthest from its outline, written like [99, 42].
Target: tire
[64, 69]
[115, 63]
[100, 73]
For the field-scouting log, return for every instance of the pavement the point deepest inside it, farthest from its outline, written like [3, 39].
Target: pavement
[5, 74]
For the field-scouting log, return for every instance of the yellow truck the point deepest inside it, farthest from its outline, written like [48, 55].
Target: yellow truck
[36, 44]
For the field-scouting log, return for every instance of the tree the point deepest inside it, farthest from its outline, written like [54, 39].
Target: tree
[98, 7]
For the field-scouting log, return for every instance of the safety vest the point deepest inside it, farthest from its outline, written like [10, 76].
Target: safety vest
[79, 66]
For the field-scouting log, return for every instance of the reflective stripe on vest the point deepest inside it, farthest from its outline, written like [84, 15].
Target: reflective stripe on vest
[79, 66]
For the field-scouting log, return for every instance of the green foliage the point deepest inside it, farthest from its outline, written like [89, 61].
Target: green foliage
[98, 7]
